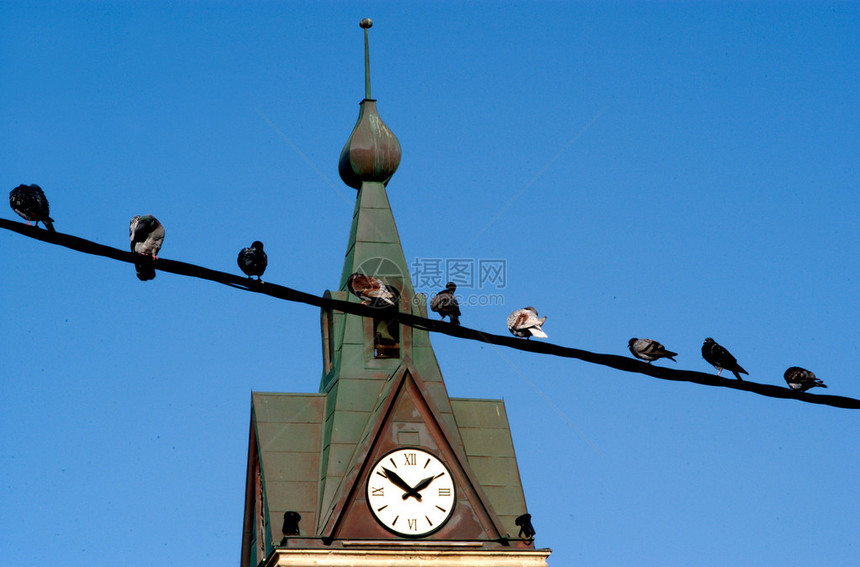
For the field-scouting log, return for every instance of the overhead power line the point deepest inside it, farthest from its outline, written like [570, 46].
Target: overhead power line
[623, 363]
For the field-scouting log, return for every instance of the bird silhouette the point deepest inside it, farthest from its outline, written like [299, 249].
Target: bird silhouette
[30, 203]
[527, 531]
[291, 523]
[253, 260]
[445, 303]
[721, 359]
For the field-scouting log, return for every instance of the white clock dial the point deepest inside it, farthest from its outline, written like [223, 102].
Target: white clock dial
[411, 492]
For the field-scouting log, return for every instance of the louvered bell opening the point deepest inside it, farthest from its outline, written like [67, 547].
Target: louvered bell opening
[386, 338]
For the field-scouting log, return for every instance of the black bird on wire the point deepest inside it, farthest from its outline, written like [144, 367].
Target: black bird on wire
[721, 359]
[253, 260]
[30, 203]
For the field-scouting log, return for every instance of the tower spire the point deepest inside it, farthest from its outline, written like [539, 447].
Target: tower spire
[366, 24]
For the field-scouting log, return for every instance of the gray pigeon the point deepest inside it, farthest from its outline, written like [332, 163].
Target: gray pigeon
[720, 358]
[648, 350]
[445, 304]
[371, 290]
[525, 323]
[801, 379]
[30, 203]
[253, 260]
[146, 235]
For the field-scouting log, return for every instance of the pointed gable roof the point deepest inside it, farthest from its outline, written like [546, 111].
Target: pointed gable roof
[406, 416]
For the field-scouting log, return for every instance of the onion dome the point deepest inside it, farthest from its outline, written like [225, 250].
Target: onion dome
[372, 152]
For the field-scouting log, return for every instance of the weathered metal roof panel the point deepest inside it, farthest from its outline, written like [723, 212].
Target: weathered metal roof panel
[289, 441]
[291, 408]
[487, 442]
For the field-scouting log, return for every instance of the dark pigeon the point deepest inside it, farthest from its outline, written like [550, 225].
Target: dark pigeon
[291, 523]
[253, 260]
[721, 359]
[445, 304]
[649, 350]
[527, 531]
[525, 323]
[371, 290]
[801, 379]
[30, 203]
[146, 235]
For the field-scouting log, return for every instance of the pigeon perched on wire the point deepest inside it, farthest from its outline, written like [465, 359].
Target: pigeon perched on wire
[445, 303]
[721, 359]
[525, 323]
[371, 290]
[146, 235]
[30, 203]
[801, 379]
[649, 350]
[253, 260]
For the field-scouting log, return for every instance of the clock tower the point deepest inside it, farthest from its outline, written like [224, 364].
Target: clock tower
[381, 467]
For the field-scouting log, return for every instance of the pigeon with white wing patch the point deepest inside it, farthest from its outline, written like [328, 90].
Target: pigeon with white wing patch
[802, 379]
[524, 323]
[371, 291]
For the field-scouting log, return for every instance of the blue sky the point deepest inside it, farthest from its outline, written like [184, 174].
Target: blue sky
[663, 170]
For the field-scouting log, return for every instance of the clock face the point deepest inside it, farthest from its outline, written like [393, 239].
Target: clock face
[411, 492]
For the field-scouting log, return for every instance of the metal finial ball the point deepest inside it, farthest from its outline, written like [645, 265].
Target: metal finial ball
[366, 23]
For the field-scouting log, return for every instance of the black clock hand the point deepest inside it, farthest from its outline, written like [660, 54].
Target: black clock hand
[425, 483]
[398, 482]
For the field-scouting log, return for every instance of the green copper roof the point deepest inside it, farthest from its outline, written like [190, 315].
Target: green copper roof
[374, 246]
[288, 429]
